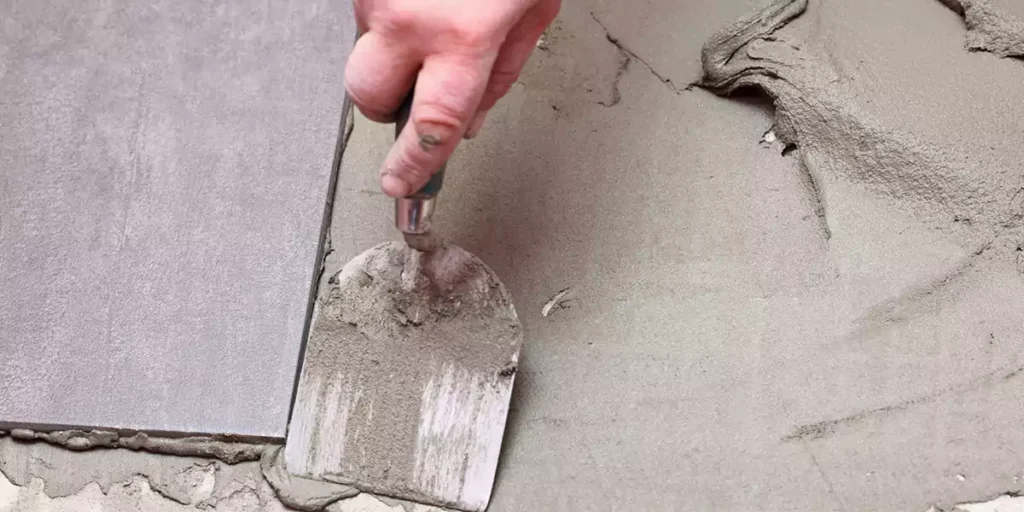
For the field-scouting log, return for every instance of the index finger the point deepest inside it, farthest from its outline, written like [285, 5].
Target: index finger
[447, 93]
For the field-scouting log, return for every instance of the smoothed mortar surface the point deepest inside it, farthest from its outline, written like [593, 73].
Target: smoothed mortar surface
[747, 330]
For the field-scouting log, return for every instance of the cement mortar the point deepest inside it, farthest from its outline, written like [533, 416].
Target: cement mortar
[991, 27]
[39, 476]
[42, 476]
[172, 477]
[803, 294]
[300, 493]
[842, 144]
[79, 440]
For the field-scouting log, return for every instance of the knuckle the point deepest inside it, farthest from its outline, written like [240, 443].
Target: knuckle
[472, 35]
[415, 165]
[397, 20]
[439, 120]
[468, 33]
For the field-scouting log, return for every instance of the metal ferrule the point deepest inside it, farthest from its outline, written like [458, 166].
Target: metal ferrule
[413, 214]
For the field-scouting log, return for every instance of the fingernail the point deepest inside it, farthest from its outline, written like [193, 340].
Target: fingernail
[394, 186]
[475, 125]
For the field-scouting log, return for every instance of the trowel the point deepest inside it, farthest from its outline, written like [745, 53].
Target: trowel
[408, 370]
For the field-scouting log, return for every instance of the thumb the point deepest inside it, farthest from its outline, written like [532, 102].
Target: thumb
[447, 92]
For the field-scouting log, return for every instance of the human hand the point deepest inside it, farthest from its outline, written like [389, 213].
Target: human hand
[462, 55]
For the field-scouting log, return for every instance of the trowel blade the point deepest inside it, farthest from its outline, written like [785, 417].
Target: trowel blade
[407, 376]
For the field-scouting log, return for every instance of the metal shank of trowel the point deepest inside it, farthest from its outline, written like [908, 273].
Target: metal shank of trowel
[414, 213]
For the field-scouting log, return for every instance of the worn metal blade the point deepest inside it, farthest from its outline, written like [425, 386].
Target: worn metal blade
[407, 376]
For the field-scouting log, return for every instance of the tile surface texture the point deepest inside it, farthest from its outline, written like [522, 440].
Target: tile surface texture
[164, 167]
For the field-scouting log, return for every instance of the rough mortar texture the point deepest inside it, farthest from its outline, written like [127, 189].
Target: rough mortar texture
[803, 294]
[230, 452]
[300, 493]
[39, 476]
[991, 27]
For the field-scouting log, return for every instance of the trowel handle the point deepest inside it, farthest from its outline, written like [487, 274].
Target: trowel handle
[433, 187]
